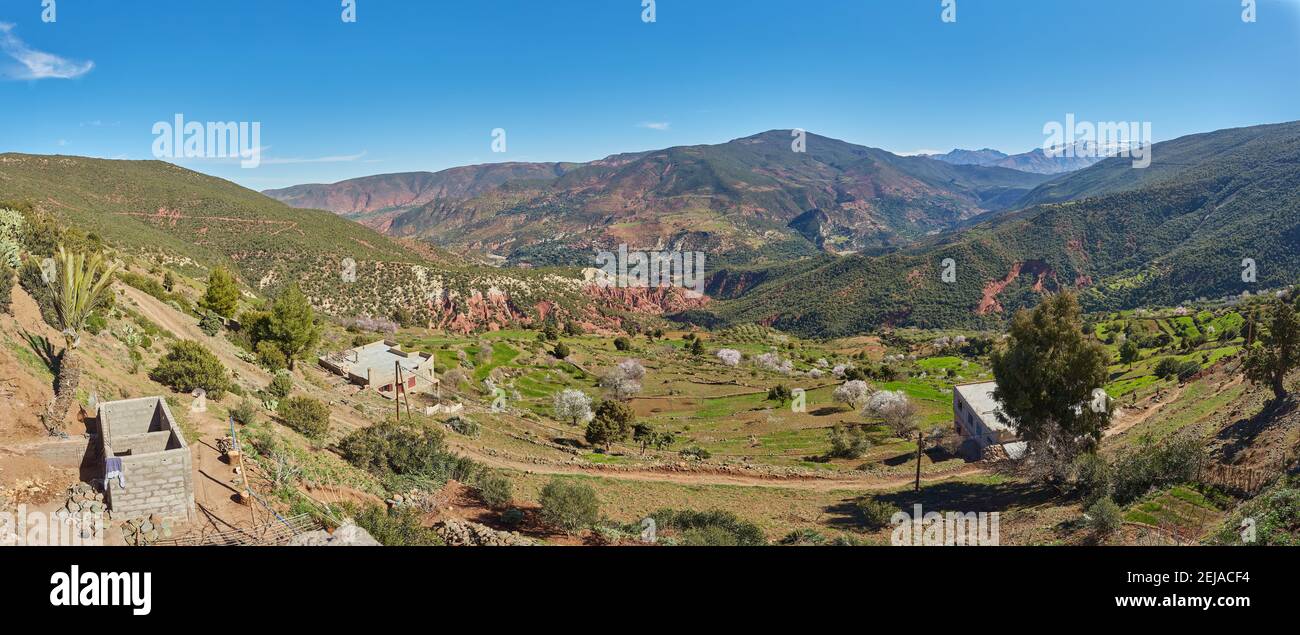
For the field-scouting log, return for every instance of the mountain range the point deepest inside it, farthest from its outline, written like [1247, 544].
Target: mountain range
[838, 240]
[1037, 160]
[753, 199]
[1184, 228]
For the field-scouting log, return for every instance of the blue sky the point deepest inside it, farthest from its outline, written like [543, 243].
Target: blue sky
[420, 85]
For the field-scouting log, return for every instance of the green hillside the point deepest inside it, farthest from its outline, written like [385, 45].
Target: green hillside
[1177, 233]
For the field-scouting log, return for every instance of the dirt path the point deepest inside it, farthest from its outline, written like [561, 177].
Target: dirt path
[185, 327]
[714, 478]
[1126, 422]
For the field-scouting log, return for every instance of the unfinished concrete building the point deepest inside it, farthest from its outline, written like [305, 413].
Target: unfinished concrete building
[376, 364]
[148, 467]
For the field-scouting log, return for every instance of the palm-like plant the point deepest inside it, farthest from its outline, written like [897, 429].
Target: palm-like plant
[78, 287]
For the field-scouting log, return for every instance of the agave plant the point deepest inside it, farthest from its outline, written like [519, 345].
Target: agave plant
[78, 286]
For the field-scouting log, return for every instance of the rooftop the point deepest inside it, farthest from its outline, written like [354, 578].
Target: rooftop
[377, 357]
[980, 398]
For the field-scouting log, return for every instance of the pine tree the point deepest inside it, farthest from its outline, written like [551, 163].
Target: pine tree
[292, 325]
[222, 296]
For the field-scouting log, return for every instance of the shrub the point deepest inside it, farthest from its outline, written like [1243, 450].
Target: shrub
[848, 442]
[1136, 472]
[271, 357]
[399, 527]
[872, 513]
[189, 365]
[622, 343]
[569, 505]
[96, 323]
[561, 351]
[311, 417]
[465, 426]
[29, 277]
[803, 538]
[408, 448]
[512, 517]
[246, 412]
[714, 528]
[281, 385]
[1093, 478]
[211, 324]
[495, 490]
[1276, 516]
[694, 453]
[7, 277]
[779, 393]
[1104, 517]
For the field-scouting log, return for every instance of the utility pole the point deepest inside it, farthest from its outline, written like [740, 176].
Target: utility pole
[920, 439]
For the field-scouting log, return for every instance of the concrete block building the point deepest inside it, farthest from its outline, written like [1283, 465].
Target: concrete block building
[374, 366]
[975, 419]
[148, 466]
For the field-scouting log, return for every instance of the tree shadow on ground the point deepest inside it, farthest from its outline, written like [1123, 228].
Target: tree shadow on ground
[1241, 434]
[950, 496]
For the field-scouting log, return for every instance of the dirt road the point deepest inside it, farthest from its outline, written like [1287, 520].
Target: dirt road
[716, 478]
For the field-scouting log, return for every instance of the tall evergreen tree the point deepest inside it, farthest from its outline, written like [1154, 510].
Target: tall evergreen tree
[222, 296]
[293, 324]
[1046, 371]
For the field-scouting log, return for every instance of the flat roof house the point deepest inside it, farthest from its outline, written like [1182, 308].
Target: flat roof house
[975, 418]
[374, 366]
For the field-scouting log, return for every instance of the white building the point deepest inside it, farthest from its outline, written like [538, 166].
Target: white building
[975, 419]
[375, 366]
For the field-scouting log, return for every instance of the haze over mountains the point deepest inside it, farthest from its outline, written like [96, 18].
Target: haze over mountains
[1036, 160]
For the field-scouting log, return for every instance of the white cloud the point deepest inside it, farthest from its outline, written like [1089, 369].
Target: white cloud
[655, 125]
[34, 64]
[344, 158]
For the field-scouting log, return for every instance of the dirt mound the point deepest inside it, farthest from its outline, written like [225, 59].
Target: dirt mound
[24, 389]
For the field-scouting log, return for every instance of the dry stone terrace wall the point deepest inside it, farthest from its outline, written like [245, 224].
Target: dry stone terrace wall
[157, 466]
